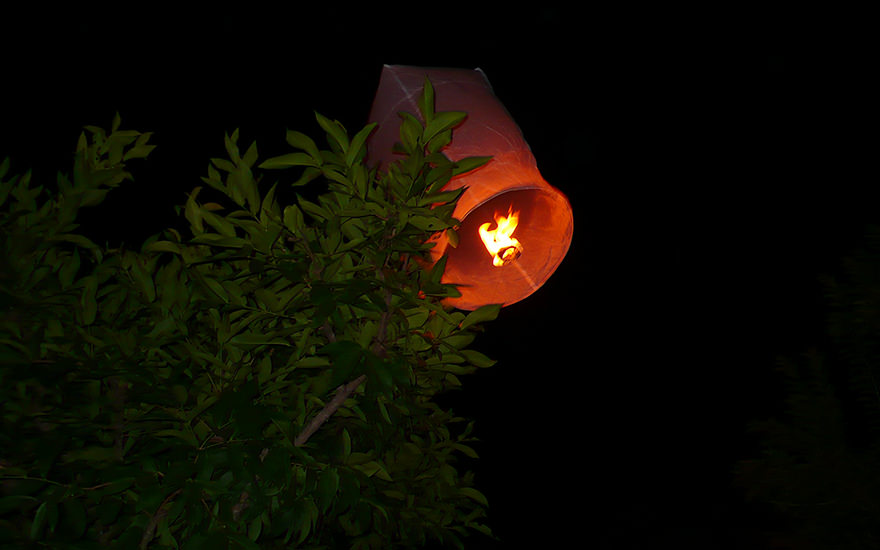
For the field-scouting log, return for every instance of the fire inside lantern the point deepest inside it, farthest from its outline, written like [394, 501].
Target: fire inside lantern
[500, 242]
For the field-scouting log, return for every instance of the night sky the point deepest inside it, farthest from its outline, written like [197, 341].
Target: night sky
[713, 162]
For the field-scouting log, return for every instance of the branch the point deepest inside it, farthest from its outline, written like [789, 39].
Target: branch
[381, 334]
[117, 396]
[161, 512]
[243, 504]
[342, 393]
[379, 340]
[328, 331]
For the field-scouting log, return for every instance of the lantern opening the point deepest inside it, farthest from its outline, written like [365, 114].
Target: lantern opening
[543, 236]
[500, 242]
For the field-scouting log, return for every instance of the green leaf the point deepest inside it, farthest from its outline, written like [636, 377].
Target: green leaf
[39, 521]
[87, 300]
[293, 219]
[84, 242]
[427, 223]
[163, 246]
[305, 143]
[410, 131]
[347, 358]
[309, 173]
[469, 163]
[217, 288]
[213, 179]
[315, 210]
[184, 435]
[255, 527]
[257, 339]
[244, 541]
[459, 340]
[465, 450]
[144, 281]
[311, 363]
[68, 271]
[335, 132]
[93, 453]
[250, 156]
[141, 148]
[474, 494]
[444, 197]
[73, 518]
[437, 269]
[357, 144]
[224, 164]
[372, 468]
[264, 369]
[231, 143]
[396, 495]
[114, 487]
[439, 141]
[222, 241]
[480, 315]
[426, 100]
[441, 122]
[328, 484]
[346, 443]
[288, 160]
[383, 410]
[380, 377]
[452, 237]
[477, 358]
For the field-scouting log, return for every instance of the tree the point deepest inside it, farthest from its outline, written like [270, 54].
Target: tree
[267, 381]
[817, 469]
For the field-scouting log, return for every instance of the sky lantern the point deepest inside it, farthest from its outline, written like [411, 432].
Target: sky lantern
[515, 227]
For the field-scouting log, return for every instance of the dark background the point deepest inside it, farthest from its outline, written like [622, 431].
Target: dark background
[715, 161]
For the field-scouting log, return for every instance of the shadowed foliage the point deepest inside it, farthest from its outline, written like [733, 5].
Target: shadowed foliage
[817, 469]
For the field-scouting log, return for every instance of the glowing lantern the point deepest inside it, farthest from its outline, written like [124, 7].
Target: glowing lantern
[515, 227]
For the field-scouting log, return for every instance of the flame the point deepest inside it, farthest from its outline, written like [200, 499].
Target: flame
[500, 243]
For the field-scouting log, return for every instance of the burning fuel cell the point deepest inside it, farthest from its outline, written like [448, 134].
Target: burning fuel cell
[515, 227]
[500, 243]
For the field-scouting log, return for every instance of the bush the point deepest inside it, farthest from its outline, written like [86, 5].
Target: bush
[267, 382]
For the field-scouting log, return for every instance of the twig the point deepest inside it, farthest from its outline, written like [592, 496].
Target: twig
[328, 331]
[117, 396]
[342, 393]
[161, 512]
[382, 333]
[243, 504]
[378, 347]
[98, 486]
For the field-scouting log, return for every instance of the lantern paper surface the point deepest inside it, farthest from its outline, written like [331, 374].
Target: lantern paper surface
[509, 186]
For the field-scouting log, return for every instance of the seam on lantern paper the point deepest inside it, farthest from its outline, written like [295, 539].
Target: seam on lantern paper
[506, 138]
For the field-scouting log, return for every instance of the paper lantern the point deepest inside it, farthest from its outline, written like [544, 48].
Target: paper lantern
[526, 223]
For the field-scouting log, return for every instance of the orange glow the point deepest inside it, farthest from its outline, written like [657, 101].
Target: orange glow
[500, 242]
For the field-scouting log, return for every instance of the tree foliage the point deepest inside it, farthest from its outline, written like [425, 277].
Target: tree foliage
[818, 462]
[266, 381]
